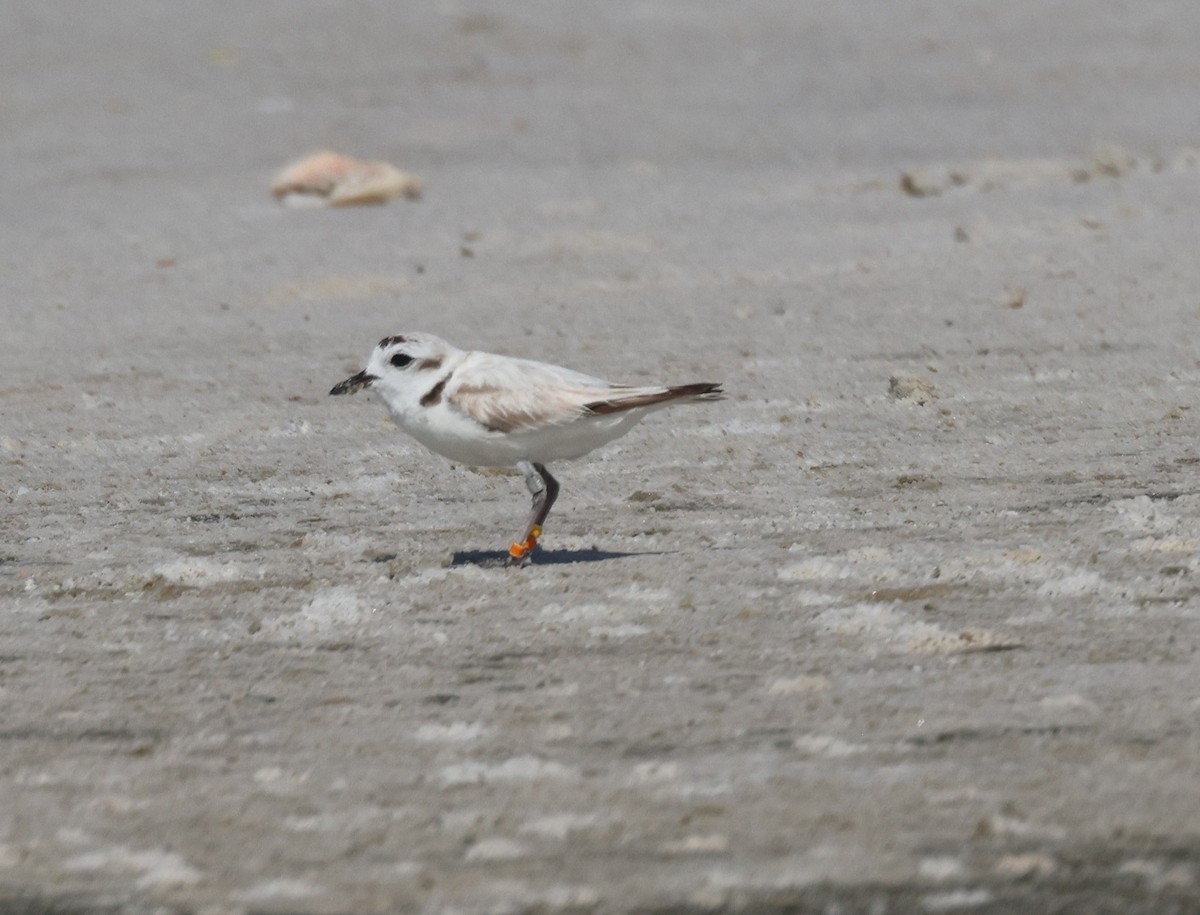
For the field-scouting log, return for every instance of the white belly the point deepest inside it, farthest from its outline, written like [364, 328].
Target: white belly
[453, 436]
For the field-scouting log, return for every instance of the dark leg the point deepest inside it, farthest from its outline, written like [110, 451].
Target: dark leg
[544, 489]
[548, 494]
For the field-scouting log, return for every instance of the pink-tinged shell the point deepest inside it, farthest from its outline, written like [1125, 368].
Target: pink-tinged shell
[331, 179]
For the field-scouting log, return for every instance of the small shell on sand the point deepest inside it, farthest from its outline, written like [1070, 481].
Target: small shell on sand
[333, 180]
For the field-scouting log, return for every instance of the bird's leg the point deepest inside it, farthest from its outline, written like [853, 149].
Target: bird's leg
[544, 489]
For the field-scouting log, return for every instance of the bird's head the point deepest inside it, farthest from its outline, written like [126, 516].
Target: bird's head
[399, 362]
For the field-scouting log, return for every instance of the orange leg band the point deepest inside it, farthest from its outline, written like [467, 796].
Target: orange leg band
[521, 550]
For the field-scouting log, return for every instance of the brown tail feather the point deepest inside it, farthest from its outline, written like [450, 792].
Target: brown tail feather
[704, 390]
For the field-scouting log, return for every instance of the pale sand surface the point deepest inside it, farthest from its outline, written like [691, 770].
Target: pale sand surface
[813, 647]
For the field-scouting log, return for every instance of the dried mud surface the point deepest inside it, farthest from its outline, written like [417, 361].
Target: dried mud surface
[909, 623]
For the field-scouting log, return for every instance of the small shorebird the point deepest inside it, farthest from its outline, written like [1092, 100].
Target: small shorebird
[496, 411]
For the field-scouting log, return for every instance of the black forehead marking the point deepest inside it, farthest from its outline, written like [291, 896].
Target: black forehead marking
[391, 341]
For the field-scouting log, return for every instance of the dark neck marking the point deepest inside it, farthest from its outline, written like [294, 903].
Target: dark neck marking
[434, 395]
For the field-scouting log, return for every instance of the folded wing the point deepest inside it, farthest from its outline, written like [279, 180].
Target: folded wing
[517, 395]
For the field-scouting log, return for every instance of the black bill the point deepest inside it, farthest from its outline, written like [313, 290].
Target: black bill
[354, 382]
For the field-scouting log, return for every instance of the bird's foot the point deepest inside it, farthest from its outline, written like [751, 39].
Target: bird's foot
[521, 553]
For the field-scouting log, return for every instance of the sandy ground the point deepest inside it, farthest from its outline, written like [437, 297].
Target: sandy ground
[839, 643]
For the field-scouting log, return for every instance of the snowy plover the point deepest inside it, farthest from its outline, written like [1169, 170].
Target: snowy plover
[495, 411]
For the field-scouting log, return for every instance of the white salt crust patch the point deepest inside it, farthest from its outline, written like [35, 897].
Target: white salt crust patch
[558, 826]
[516, 769]
[281, 888]
[355, 818]
[868, 565]
[1052, 579]
[953, 900]
[580, 613]
[888, 627]
[329, 610]
[156, 869]
[1012, 827]
[608, 621]
[642, 595]
[30, 606]
[794, 686]
[618, 632]
[1143, 515]
[564, 896]
[198, 572]
[1072, 584]
[941, 868]
[496, 848]
[453, 732]
[1159, 874]
[709, 844]
[1024, 866]
[651, 772]
[277, 780]
[826, 746]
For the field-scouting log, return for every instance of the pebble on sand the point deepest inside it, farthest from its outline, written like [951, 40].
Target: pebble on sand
[911, 389]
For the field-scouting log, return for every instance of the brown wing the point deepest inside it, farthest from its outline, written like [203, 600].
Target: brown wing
[517, 395]
[506, 409]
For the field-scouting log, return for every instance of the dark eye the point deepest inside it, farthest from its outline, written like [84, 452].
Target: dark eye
[400, 360]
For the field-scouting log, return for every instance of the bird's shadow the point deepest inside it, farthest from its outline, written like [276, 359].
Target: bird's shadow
[490, 559]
